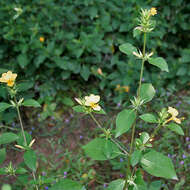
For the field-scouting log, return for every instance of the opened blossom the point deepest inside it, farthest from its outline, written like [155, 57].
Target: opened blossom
[174, 113]
[92, 101]
[8, 78]
[153, 11]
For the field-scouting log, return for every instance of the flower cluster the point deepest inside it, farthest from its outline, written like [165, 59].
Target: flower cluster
[145, 22]
[8, 78]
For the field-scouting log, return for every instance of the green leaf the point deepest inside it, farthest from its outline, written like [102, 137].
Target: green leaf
[150, 118]
[24, 86]
[147, 92]
[124, 121]
[68, 101]
[79, 108]
[155, 185]
[101, 149]
[158, 165]
[100, 112]
[136, 33]
[31, 103]
[2, 155]
[159, 62]
[38, 60]
[139, 181]
[30, 159]
[144, 137]
[179, 185]
[22, 60]
[116, 185]
[6, 187]
[8, 138]
[135, 157]
[20, 140]
[85, 72]
[127, 48]
[176, 128]
[67, 184]
[4, 106]
[21, 171]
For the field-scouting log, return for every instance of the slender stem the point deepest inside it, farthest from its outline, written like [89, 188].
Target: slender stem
[119, 146]
[33, 174]
[142, 66]
[128, 170]
[21, 124]
[97, 123]
[155, 131]
[116, 143]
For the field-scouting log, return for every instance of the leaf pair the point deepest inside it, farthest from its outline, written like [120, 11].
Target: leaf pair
[159, 62]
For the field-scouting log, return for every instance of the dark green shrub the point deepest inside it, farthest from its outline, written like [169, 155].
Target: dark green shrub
[82, 36]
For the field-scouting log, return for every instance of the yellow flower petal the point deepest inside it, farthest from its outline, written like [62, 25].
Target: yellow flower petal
[2, 79]
[173, 111]
[96, 107]
[8, 78]
[92, 99]
[10, 83]
[177, 120]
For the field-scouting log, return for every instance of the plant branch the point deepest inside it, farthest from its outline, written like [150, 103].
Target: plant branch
[116, 143]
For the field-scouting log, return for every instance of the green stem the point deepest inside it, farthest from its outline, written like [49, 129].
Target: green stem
[155, 131]
[33, 174]
[142, 66]
[21, 124]
[128, 170]
[116, 143]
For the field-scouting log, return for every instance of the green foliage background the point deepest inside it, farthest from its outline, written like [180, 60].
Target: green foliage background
[82, 36]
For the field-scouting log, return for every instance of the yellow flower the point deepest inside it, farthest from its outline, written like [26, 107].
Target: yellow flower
[173, 113]
[92, 101]
[126, 88]
[42, 39]
[8, 78]
[153, 11]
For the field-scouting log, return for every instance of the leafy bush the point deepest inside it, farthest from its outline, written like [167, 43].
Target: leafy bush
[58, 45]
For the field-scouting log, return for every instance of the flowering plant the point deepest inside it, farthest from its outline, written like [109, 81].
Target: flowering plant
[139, 155]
